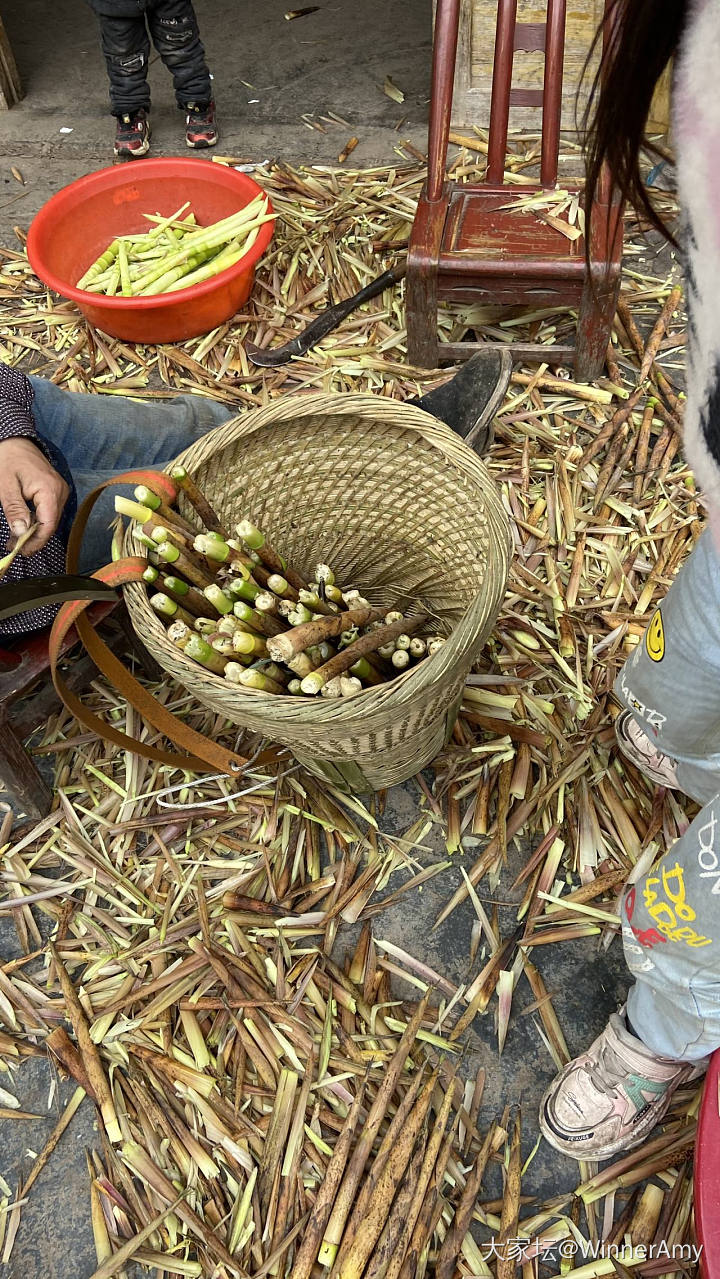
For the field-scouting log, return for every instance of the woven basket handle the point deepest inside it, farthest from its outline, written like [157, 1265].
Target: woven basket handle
[203, 754]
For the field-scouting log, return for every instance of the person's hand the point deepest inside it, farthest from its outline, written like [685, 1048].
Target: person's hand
[27, 476]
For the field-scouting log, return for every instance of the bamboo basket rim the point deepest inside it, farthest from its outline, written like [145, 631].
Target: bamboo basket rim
[410, 686]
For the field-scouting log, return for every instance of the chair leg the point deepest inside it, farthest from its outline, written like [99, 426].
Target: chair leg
[594, 327]
[19, 774]
[421, 317]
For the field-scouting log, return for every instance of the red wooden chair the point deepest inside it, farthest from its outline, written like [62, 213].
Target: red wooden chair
[707, 1174]
[466, 247]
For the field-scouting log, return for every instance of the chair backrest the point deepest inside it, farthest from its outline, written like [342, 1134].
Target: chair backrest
[548, 37]
[542, 37]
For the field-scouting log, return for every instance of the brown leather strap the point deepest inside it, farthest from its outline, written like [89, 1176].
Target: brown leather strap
[203, 754]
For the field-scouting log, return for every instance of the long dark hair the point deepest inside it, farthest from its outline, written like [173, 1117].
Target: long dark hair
[641, 36]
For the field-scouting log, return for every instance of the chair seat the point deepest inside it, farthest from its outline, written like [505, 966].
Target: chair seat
[487, 229]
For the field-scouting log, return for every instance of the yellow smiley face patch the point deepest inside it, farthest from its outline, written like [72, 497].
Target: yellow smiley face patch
[655, 637]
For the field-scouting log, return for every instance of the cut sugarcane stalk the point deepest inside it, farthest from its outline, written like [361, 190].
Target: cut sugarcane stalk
[249, 644]
[356, 1251]
[262, 683]
[244, 589]
[324, 573]
[312, 600]
[88, 1051]
[272, 670]
[198, 500]
[182, 562]
[393, 616]
[266, 602]
[220, 552]
[301, 665]
[143, 540]
[434, 645]
[217, 597]
[348, 637]
[207, 625]
[303, 637]
[252, 537]
[364, 670]
[333, 688]
[418, 648]
[294, 688]
[402, 642]
[261, 622]
[147, 497]
[279, 585]
[200, 651]
[347, 1189]
[151, 575]
[369, 643]
[133, 510]
[400, 659]
[300, 615]
[350, 685]
[169, 609]
[179, 634]
[191, 599]
[222, 644]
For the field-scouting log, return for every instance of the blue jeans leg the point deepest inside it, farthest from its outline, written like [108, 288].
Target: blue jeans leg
[101, 436]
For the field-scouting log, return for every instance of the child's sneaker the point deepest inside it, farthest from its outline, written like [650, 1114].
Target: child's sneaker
[611, 1098]
[643, 753]
[132, 137]
[200, 127]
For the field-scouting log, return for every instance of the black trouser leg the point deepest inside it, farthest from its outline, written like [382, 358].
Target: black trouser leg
[126, 47]
[175, 34]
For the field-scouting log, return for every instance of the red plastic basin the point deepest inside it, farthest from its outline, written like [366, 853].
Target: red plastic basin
[77, 224]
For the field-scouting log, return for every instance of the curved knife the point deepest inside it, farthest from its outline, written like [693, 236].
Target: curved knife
[33, 592]
[325, 322]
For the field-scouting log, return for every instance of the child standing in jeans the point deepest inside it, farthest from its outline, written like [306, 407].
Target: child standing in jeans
[126, 28]
[609, 1098]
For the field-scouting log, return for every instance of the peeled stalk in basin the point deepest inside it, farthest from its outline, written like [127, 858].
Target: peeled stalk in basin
[179, 634]
[100, 265]
[261, 683]
[198, 500]
[400, 659]
[366, 644]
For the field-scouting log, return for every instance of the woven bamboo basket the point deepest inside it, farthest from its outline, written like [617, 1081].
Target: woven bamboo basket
[404, 511]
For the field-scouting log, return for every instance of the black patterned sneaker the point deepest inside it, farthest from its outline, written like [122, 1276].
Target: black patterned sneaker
[132, 137]
[643, 753]
[200, 127]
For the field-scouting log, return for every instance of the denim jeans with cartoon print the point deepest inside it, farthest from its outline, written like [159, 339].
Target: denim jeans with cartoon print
[671, 917]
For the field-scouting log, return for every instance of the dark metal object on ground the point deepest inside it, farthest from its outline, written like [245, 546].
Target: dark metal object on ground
[325, 322]
[476, 243]
[18, 597]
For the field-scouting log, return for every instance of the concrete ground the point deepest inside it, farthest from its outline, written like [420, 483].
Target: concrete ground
[268, 73]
